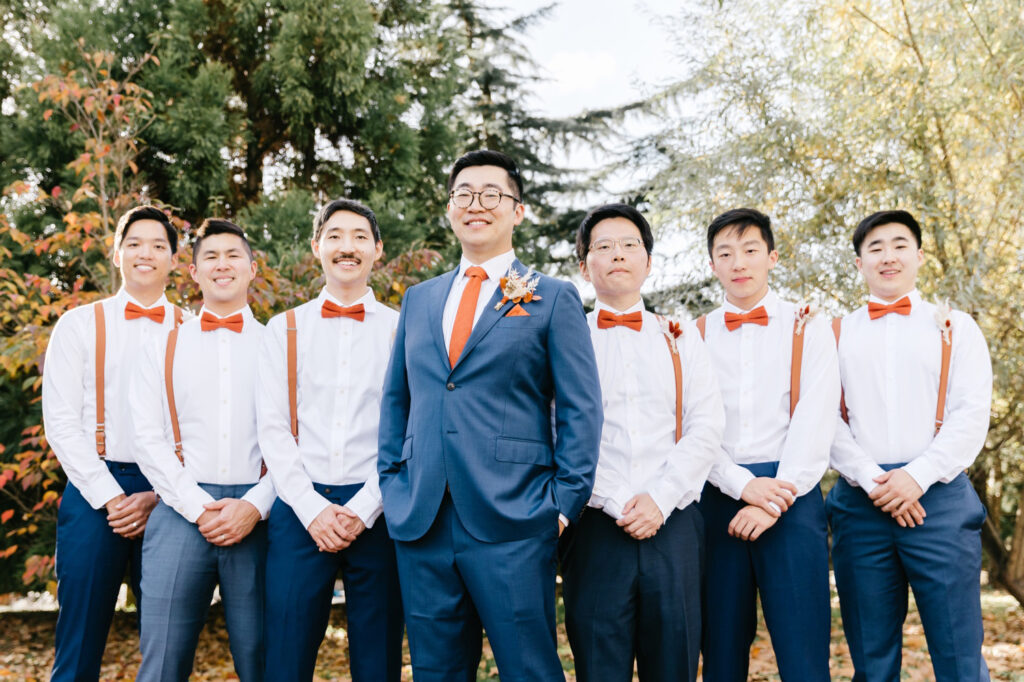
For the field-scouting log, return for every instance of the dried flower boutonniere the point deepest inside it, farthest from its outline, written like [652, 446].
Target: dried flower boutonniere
[671, 329]
[518, 288]
[804, 312]
[944, 319]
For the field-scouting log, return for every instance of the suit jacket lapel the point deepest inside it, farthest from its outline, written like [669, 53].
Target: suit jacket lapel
[436, 313]
[488, 318]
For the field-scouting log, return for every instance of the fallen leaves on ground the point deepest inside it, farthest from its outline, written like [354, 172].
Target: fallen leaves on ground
[26, 648]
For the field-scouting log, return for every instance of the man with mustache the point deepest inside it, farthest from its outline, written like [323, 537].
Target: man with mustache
[321, 373]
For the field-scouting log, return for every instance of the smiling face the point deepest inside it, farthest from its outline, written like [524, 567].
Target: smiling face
[485, 233]
[347, 252]
[617, 274]
[889, 260]
[223, 271]
[145, 260]
[741, 261]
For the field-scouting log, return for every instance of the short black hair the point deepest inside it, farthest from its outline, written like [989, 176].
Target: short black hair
[212, 226]
[741, 219]
[612, 211]
[488, 157]
[145, 212]
[324, 214]
[880, 218]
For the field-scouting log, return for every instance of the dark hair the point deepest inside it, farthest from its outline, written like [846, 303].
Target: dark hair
[212, 226]
[487, 157]
[612, 211]
[349, 205]
[741, 219]
[138, 213]
[883, 218]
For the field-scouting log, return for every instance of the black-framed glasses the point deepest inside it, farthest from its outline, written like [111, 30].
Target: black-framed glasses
[627, 244]
[488, 198]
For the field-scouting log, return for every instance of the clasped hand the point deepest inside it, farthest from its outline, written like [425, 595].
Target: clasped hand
[128, 514]
[898, 494]
[335, 528]
[227, 521]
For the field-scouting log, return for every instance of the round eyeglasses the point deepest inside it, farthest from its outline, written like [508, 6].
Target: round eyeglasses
[627, 244]
[489, 198]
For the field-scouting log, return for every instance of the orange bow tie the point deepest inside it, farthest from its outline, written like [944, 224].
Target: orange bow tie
[758, 315]
[900, 307]
[209, 323]
[355, 312]
[133, 312]
[607, 319]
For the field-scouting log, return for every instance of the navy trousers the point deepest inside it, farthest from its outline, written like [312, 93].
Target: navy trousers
[452, 584]
[627, 598]
[180, 571]
[300, 584]
[875, 560]
[91, 564]
[788, 566]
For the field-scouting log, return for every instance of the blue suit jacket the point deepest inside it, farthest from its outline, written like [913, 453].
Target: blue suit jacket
[484, 428]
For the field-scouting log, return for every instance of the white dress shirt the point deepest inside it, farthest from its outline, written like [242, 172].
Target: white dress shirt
[215, 394]
[890, 369]
[753, 364]
[340, 376]
[496, 268]
[69, 390]
[639, 452]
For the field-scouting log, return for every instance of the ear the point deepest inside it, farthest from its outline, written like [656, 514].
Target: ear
[378, 250]
[650, 261]
[193, 272]
[520, 212]
[860, 264]
[116, 258]
[920, 256]
[584, 271]
[773, 258]
[315, 245]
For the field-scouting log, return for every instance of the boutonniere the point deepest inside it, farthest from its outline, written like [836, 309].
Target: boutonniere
[671, 329]
[944, 319]
[518, 288]
[804, 312]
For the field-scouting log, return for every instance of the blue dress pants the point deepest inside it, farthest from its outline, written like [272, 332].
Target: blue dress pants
[788, 566]
[300, 585]
[180, 571]
[91, 564]
[875, 560]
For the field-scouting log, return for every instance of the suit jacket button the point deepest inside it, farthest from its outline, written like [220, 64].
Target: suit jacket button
[450, 386]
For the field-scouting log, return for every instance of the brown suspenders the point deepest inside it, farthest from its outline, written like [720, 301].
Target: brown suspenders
[293, 364]
[101, 361]
[940, 408]
[795, 366]
[172, 341]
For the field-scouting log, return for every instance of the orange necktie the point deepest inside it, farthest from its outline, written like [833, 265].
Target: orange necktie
[209, 323]
[756, 316]
[133, 312]
[606, 319]
[355, 312]
[877, 310]
[467, 310]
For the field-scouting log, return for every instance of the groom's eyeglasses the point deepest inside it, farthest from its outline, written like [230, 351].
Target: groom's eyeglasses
[489, 198]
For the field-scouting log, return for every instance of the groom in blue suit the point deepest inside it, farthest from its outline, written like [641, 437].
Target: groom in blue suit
[489, 434]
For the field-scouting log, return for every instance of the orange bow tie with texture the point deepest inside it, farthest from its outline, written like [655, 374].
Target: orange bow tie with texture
[355, 312]
[209, 323]
[758, 315]
[900, 307]
[133, 312]
[607, 319]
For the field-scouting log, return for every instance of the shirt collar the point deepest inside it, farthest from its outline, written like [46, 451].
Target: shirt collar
[369, 300]
[914, 296]
[770, 301]
[638, 306]
[245, 311]
[496, 267]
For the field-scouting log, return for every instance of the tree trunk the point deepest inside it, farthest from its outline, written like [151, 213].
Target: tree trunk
[1006, 568]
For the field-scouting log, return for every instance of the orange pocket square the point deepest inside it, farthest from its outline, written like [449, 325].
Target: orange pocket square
[517, 311]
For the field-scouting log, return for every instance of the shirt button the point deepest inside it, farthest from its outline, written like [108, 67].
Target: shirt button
[450, 386]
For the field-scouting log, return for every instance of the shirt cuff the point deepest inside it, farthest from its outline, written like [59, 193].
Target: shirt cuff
[734, 479]
[191, 504]
[309, 506]
[102, 491]
[923, 472]
[261, 496]
[665, 505]
[564, 519]
[865, 476]
[365, 506]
